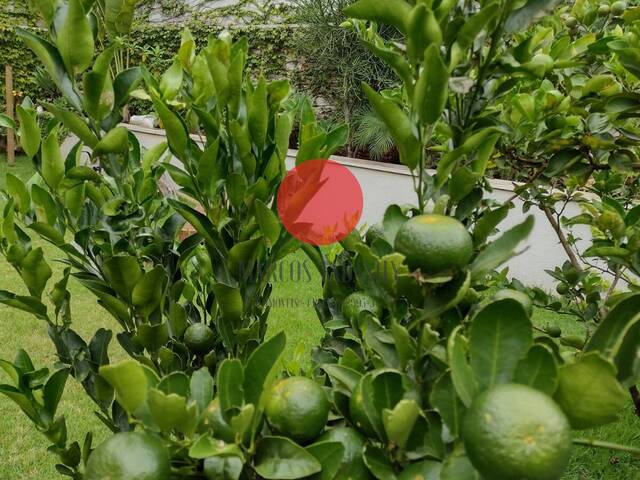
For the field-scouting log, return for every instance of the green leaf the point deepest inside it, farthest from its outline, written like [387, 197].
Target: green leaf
[206, 447]
[589, 392]
[223, 468]
[378, 463]
[500, 336]
[22, 401]
[7, 122]
[116, 141]
[461, 373]
[201, 388]
[53, 390]
[446, 401]
[229, 381]
[52, 61]
[171, 81]
[118, 15]
[280, 458]
[177, 134]
[74, 123]
[259, 115]
[52, 161]
[399, 422]
[74, 37]
[152, 337]
[18, 191]
[330, 455]
[260, 367]
[268, 221]
[148, 292]
[502, 249]
[129, 381]
[35, 272]
[169, 412]
[612, 331]
[391, 12]
[399, 126]
[29, 131]
[457, 466]
[425, 470]
[529, 13]
[123, 274]
[488, 222]
[431, 91]
[538, 370]
[27, 304]
[230, 302]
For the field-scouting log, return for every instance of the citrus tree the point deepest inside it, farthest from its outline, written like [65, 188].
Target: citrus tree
[439, 381]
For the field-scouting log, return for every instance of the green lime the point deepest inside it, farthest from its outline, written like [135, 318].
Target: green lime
[129, 456]
[571, 22]
[573, 341]
[518, 296]
[604, 10]
[619, 7]
[199, 338]
[562, 288]
[375, 232]
[212, 419]
[513, 432]
[352, 465]
[434, 244]
[553, 331]
[572, 275]
[297, 407]
[359, 302]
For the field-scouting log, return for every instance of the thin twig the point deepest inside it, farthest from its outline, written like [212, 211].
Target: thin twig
[587, 442]
[563, 239]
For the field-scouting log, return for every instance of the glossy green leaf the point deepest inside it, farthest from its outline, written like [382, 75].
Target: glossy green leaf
[201, 388]
[391, 12]
[74, 123]
[261, 367]
[431, 91]
[129, 381]
[268, 221]
[378, 463]
[280, 458]
[229, 381]
[228, 467]
[123, 273]
[538, 370]
[501, 334]
[74, 37]
[52, 161]
[116, 141]
[53, 390]
[30, 305]
[148, 292]
[591, 379]
[29, 131]
[461, 373]
[119, 16]
[399, 127]
[259, 114]
[446, 401]
[330, 456]
[399, 421]
[18, 191]
[502, 249]
[35, 272]
[52, 61]
[169, 411]
[171, 81]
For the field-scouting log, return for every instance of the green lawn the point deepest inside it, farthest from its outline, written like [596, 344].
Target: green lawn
[24, 450]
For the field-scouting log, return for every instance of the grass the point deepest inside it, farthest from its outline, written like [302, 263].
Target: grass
[24, 450]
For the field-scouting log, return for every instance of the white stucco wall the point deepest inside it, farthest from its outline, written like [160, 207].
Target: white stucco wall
[384, 184]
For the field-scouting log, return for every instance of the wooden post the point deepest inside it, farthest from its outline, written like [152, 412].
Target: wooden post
[8, 82]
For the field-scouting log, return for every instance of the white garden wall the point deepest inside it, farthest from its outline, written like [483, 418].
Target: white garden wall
[384, 184]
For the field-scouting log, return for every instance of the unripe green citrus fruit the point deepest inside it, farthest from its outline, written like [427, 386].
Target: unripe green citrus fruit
[297, 408]
[212, 419]
[562, 288]
[359, 302]
[604, 10]
[618, 8]
[514, 432]
[199, 338]
[129, 456]
[434, 244]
